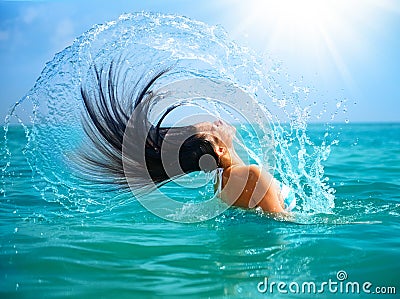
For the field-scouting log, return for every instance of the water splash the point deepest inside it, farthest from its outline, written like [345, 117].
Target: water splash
[50, 113]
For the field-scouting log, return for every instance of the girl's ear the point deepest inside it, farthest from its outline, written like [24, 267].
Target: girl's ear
[221, 150]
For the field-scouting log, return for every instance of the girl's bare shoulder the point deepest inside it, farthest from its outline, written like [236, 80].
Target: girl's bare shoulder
[243, 171]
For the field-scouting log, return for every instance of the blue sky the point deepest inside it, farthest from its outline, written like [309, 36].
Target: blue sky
[345, 49]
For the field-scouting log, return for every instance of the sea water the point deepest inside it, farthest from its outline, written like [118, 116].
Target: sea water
[63, 236]
[127, 252]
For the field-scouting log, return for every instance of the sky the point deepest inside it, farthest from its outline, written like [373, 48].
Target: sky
[346, 49]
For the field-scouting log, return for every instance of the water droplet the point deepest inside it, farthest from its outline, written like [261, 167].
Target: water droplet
[282, 103]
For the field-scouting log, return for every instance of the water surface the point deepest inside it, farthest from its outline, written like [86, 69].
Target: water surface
[50, 251]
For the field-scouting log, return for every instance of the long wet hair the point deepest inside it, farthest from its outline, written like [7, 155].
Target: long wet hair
[116, 122]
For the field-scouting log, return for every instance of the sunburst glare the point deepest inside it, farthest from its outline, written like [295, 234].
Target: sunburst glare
[325, 33]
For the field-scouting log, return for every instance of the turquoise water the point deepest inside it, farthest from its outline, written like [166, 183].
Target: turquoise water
[66, 236]
[48, 251]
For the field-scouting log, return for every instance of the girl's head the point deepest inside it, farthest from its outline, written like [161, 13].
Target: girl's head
[180, 150]
[166, 153]
[220, 135]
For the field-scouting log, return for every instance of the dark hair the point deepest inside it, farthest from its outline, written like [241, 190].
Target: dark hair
[125, 148]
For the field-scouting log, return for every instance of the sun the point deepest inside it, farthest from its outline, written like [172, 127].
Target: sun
[322, 34]
[307, 16]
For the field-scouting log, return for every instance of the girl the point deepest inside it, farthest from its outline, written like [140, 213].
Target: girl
[130, 151]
